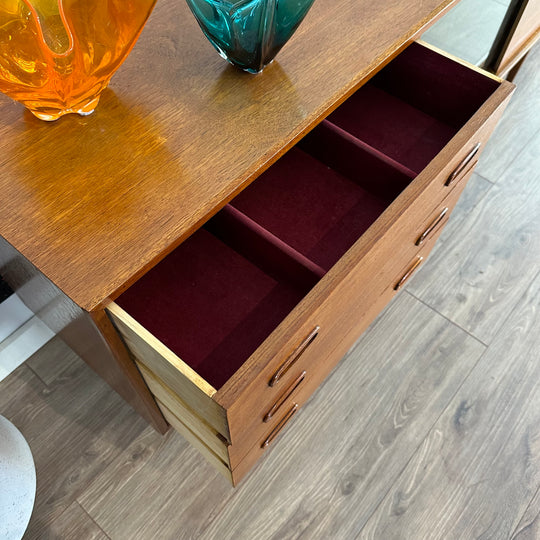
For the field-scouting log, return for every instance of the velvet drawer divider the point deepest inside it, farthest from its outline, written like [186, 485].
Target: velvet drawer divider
[368, 167]
[263, 248]
[412, 108]
[322, 195]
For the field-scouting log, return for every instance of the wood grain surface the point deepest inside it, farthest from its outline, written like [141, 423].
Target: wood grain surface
[181, 492]
[49, 371]
[122, 373]
[221, 466]
[373, 257]
[94, 202]
[145, 486]
[177, 408]
[355, 310]
[480, 463]
[168, 367]
[529, 526]
[74, 524]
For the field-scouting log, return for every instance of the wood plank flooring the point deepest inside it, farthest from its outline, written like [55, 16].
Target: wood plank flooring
[75, 425]
[428, 429]
[75, 523]
[478, 468]
[384, 402]
[529, 526]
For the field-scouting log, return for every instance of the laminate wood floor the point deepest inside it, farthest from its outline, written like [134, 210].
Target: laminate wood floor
[428, 429]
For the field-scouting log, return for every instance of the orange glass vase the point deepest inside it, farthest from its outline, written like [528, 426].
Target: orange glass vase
[57, 56]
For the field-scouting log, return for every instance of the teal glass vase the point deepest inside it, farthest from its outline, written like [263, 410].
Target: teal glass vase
[249, 33]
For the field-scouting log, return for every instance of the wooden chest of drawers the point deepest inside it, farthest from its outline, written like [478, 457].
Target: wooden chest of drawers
[234, 280]
[235, 329]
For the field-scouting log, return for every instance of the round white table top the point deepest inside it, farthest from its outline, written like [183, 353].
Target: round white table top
[17, 482]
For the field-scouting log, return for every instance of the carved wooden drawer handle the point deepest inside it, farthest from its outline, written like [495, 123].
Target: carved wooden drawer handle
[280, 426]
[409, 273]
[294, 357]
[432, 226]
[279, 403]
[461, 167]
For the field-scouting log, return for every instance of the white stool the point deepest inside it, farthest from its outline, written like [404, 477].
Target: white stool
[17, 482]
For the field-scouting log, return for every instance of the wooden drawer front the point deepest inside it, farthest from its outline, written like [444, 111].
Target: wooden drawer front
[348, 315]
[262, 409]
[346, 332]
[194, 391]
[354, 312]
[369, 267]
[349, 306]
[315, 353]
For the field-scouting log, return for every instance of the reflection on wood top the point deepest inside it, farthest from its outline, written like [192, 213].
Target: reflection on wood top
[95, 202]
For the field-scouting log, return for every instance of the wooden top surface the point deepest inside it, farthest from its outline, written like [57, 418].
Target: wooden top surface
[95, 202]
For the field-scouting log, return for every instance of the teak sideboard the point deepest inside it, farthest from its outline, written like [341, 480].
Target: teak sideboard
[213, 242]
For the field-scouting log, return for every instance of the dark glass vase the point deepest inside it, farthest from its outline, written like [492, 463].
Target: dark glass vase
[249, 33]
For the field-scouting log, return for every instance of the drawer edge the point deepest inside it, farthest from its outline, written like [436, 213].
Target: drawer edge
[206, 452]
[182, 379]
[459, 60]
[204, 431]
[130, 324]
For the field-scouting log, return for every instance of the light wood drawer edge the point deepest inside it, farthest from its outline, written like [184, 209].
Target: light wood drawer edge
[207, 453]
[458, 60]
[178, 376]
[208, 435]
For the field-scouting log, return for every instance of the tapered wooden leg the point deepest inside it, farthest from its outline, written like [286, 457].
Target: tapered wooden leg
[91, 336]
[124, 376]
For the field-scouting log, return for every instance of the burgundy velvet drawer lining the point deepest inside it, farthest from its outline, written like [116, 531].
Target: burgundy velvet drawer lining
[397, 129]
[413, 107]
[311, 207]
[210, 305]
[217, 297]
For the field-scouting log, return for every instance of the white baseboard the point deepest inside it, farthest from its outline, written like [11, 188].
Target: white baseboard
[22, 344]
[13, 314]
[21, 334]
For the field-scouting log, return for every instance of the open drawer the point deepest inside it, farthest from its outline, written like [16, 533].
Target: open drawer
[253, 310]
